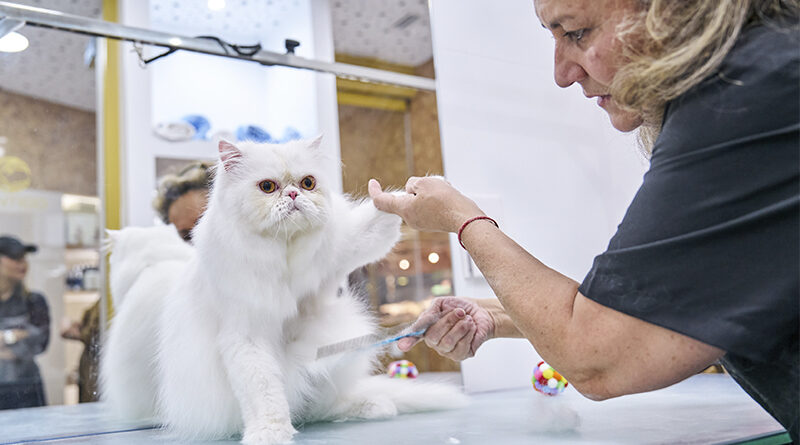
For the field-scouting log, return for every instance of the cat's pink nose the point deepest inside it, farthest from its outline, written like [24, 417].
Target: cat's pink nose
[293, 195]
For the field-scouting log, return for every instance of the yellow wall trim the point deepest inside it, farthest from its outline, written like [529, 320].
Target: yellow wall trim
[373, 95]
[372, 62]
[370, 101]
[355, 86]
[110, 120]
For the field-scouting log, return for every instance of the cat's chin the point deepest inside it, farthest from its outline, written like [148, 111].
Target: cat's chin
[290, 225]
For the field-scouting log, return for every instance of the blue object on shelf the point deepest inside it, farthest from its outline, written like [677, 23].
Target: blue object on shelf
[200, 123]
[252, 133]
[290, 134]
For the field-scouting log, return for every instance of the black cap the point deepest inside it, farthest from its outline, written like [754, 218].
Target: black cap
[13, 248]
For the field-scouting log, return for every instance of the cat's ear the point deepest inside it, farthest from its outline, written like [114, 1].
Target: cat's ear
[315, 143]
[229, 155]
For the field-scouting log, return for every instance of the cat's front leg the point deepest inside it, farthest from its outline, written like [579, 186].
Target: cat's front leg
[257, 383]
[369, 235]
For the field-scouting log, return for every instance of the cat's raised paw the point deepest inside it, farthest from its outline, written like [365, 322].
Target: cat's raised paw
[268, 434]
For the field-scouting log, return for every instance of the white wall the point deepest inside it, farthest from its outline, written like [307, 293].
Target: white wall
[142, 102]
[545, 161]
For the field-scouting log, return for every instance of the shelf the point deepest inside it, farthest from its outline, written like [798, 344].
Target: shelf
[81, 296]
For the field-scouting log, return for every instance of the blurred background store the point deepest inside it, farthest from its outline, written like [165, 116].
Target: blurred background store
[88, 125]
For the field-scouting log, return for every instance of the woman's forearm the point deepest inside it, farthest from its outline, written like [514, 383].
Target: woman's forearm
[537, 300]
[602, 352]
[504, 326]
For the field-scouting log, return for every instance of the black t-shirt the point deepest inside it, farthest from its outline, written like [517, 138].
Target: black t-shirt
[710, 245]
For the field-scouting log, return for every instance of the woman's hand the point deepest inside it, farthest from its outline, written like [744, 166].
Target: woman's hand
[457, 327]
[431, 204]
[72, 332]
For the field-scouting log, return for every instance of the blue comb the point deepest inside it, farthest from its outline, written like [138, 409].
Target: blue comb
[363, 342]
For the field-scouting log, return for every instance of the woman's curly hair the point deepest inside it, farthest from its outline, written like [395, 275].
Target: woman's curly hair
[195, 176]
[672, 45]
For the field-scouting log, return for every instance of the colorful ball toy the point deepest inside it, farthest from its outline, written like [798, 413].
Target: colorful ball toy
[403, 369]
[547, 380]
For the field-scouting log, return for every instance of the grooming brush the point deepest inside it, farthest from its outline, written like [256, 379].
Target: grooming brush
[364, 342]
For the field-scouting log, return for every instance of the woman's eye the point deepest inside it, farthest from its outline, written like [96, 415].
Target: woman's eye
[575, 36]
[268, 186]
[308, 183]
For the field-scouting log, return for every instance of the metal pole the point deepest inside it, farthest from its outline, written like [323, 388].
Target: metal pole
[83, 25]
[9, 25]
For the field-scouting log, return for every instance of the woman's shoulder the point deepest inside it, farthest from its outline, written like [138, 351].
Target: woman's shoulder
[755, 91]
[34, 297]
[764, 49]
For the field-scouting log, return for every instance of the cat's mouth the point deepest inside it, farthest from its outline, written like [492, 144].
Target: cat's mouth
[292, 208]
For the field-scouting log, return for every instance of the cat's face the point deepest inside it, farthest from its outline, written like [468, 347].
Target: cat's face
[278, 190]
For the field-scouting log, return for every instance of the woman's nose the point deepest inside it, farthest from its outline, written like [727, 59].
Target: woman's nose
[567, 70]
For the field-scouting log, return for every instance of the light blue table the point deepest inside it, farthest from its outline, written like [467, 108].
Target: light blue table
[707, 408]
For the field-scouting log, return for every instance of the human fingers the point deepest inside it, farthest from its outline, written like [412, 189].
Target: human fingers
[386, 202]
[430, 316]
[440, 328]
[455, 335]
[407, 343]
[463, 348]
[411, 185]
[477, 341]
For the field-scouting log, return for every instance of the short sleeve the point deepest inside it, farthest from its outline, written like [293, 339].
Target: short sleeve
[710, 245]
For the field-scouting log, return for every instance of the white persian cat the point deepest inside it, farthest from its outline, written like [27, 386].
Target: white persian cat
[221, 339]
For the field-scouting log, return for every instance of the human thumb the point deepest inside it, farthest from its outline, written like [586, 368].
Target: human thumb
[407, 343]
[382, 201]
[374, 188]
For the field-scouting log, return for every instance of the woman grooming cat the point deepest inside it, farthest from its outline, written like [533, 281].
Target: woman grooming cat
[704, 265]
[235, 345]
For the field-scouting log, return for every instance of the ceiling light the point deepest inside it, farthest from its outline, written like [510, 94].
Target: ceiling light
[216, 5]
[404, 264]
[433, 258]
[13, 42]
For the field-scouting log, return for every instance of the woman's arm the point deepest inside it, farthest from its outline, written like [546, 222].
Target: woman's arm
[35, 334]
[602, 352]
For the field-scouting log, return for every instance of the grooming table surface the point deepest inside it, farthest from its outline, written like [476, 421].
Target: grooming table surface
[707, 408]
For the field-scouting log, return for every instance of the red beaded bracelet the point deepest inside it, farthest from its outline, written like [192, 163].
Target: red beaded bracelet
[463, 226]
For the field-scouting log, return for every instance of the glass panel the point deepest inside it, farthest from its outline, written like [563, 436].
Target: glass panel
[49, 310]
[175, 110]
[390, 133]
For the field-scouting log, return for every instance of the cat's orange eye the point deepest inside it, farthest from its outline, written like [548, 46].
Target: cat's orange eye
[268, 186]
[308, 183]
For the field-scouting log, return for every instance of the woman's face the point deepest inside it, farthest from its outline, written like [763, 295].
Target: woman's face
[186, 210]
[13, 270]
[587, 50]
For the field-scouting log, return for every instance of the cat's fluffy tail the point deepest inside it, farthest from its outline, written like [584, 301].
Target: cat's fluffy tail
[409, 396]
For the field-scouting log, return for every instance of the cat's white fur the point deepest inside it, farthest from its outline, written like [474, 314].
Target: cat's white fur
[144, 264]
[231, 348]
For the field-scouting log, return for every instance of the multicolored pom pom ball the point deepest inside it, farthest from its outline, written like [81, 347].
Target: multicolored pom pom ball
[403, 369]
[547, 380]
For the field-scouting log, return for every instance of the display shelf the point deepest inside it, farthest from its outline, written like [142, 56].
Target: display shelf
[81, 296]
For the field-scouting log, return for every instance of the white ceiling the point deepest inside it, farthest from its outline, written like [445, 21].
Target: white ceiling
[371, 28]
[53, 68]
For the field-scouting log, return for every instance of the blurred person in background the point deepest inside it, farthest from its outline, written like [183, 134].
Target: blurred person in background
[182, 197]
[25, 329]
